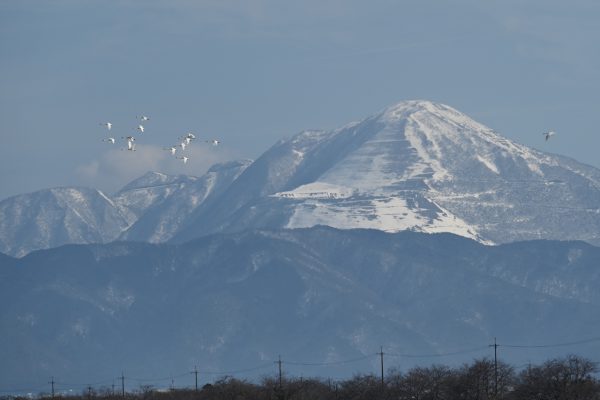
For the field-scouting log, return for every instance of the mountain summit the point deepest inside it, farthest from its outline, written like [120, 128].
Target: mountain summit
[416, 165]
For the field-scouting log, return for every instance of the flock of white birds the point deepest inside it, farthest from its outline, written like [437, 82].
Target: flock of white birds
[186, 140]
[175, 150]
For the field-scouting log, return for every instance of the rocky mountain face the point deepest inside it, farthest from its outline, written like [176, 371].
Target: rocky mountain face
[416, 166]
[318, 297]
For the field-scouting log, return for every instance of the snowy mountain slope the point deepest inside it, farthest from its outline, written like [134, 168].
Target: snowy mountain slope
[150, 208]
[235, 301]
[416, 165]
[148, 190]
[53, 217]
[164, 218]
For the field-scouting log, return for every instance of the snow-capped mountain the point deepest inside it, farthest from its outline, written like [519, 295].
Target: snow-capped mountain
[150, 208]
[153, 187]
[416, 165]
[164, 218]
[419, 166]
[53, 217]
[317, 295]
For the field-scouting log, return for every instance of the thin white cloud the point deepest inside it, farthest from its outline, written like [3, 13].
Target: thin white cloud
[115, 167]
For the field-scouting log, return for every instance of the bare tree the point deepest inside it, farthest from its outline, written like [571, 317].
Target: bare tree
[569, 378]
[478, 381]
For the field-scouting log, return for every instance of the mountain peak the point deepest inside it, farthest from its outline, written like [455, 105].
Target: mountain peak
[416, 165]
[153, 178]
[230, 165]
[414, 105]
[423, 110]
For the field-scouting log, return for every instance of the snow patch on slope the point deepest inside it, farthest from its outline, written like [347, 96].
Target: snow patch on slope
[317, 190]
[489, 164]
[389, 214]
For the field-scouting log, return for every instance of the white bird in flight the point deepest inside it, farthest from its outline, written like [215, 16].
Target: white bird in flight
[110, 140]
[182, 144]
[108, 125]
[172, 149]
[188, 137]
[130, 143]
[548, 134]
[184, 158]
[214, 142]
[140, 128]
[144, 118]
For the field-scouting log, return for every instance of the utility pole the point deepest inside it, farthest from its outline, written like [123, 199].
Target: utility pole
[280, 395]
[382, 380]
[89, 388]
[280, 378]
[52, 382]
[195, 372]
[495, 346]
[122, 384]
[113, 388]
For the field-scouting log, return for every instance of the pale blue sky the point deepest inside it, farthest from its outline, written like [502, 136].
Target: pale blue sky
[252, 72]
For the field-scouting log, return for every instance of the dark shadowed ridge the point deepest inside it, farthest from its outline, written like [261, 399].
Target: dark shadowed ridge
[236, 301]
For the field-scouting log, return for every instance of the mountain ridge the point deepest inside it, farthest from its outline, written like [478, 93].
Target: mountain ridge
[234, 301]
[416, 165]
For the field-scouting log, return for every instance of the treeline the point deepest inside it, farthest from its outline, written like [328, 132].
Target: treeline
[569, 378]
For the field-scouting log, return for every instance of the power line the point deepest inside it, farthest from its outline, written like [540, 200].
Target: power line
[166, 378]
[432, 355]
[239, 371]
[327, 363]
[541, 346]
[68, 384]
[24, 390]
